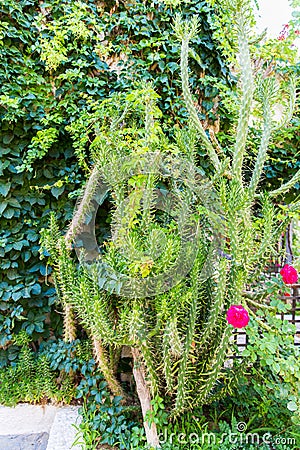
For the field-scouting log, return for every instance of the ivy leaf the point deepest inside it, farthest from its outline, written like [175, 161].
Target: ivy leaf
[9, 213]
[57, 191]
[36, 289]
[26, 256]
[292, 406]
[26, 292]
[3, 205]
[12, 274]
[4, 189]
[5, 265]
[7, 138]
[18, 245]
[29, 328]
[17, 295]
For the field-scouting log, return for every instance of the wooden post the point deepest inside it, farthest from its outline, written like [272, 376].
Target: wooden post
[144, 395]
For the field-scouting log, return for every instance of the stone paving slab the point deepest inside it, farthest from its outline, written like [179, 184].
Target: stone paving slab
[33, 427]
[63, 433]
[24, 442]
[26, 419]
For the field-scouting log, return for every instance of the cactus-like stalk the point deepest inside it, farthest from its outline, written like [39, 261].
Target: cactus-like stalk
[189, 101]
[84, 205]
[286, 186]
[290, 104]
[215, 367]
[69, 324]
[265, 139]
[168, 357]
[138, 334]
[149, 120]
[187, 345]
[247, 88]
[103, 363]
[217, 305]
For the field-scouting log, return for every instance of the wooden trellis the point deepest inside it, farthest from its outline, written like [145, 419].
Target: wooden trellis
[293, 315]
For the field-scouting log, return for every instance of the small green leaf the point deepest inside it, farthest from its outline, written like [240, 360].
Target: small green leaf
[4, 189]
[17, 295]
[36, 289]
[3, 206]
[57, 191]
[8, 213]
[292, 406]
[18, 245]
[7, 138]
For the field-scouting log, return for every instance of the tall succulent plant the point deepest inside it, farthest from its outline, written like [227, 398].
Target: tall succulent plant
[179, 336]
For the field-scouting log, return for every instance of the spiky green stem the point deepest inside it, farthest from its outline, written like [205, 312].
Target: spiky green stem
[190, 104]
[287, 186]
[138, 334]
[262, 152]
[104, 366]
[268, 236]
[216, 305]
[260, 305]
[172, 350]
[289, 110]
[69, 324]
[149, 120]
[247, 87]
[216, 366]
[84, 205]
[182, 373]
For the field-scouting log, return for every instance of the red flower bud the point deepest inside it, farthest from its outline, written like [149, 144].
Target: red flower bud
[237, 316]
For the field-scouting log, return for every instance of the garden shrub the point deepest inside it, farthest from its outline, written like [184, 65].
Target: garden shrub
[41, 377]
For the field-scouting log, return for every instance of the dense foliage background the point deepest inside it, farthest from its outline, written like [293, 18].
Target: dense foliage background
[57, 58]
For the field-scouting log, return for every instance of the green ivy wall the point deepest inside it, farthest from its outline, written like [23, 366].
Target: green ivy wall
[56, 59]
